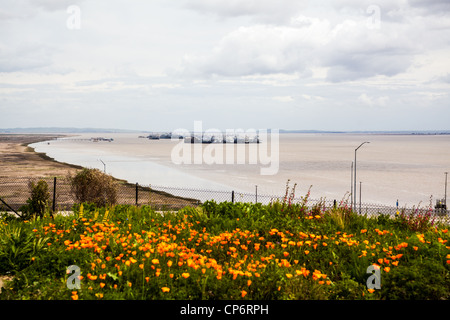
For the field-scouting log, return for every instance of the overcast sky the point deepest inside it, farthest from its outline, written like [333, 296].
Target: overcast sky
[287, 64]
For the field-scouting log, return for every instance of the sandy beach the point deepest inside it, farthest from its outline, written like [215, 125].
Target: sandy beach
[19, 160]
[20, 163]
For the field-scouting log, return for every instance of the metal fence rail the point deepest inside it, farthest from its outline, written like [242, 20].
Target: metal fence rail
[15, 192]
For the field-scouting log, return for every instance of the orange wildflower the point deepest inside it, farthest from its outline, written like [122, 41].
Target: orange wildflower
[185, 275]
[165, 289]
[91, 277]
[243, 293]
[74, 296]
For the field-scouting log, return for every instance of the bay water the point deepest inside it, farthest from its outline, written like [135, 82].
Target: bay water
[407, 168]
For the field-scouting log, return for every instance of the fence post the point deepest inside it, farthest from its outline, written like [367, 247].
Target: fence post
[7, 205]
[256, 194]
[232, 196]
[137, 197]
[54, 195]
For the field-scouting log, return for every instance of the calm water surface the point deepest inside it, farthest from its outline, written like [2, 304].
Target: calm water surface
[409, 168]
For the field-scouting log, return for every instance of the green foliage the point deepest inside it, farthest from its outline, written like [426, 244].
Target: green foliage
[37, 204]
[422, 279]
[347, 289]
[94, 186]
[418, 219]
[17, 247]
[264, 252]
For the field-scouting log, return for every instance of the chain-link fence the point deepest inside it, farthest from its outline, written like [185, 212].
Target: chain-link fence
[15, 192]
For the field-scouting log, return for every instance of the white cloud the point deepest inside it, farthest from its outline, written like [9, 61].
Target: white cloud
[262, 49]
[373, 101]
[28, 56]
[348, 50]
[312, 97]
[262, 10]
[167, 63]
[283, 98]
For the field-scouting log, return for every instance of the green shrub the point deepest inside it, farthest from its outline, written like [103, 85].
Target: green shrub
[423, 279]
[94, 186]
[38, 201]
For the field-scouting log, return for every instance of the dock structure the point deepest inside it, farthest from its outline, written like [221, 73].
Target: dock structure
[201, 137]
[159, 135]
[93, 139]
[98, 139]
[221, 138]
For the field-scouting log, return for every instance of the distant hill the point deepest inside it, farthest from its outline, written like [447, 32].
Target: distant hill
[104, 130]
[65, 130]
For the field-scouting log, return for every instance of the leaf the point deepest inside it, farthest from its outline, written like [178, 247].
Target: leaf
[112, 275]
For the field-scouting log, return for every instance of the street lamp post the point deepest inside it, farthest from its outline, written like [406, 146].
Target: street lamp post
[354, 176]
[360, 192]
[445, 194]
[351, 186]
[104, 165]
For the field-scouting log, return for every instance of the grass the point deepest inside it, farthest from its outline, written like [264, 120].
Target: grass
[218, 251]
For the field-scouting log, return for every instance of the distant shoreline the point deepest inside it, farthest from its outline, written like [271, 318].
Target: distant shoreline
[69, 131]
[21, 160]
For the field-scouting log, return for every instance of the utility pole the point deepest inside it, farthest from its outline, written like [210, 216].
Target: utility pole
[351, 187]
[445, 194]
[360, 183]
[354, 178]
